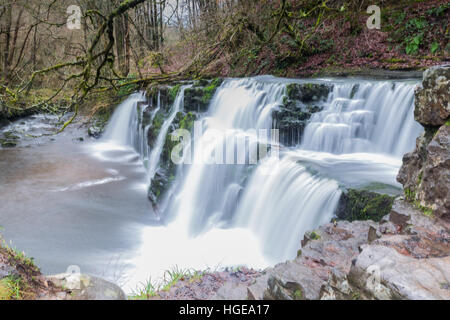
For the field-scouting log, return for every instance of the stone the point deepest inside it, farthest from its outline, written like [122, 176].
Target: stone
[425, 173]
[363, 205]
[372, 235]
[87, 287]
[386, 274]
[434, 188]
[95, 132]
[257, 289]
[299, 104]
[6, 271]
[401, 214]
[231, 291]
[433, 97]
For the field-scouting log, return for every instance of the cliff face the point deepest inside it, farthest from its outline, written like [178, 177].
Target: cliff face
[425, 173]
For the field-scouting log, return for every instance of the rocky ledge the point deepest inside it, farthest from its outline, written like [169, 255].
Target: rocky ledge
[425, 173]
[405, 256]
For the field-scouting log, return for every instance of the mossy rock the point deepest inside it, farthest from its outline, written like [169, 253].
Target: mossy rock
[308, 92]
[8, 143]
[198, 97]
[362, 205]
[291, 120]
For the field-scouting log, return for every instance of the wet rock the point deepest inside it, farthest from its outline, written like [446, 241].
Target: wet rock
[95, 132]
[86, 287]
[433, 97]
[9, 139]
[299, 105]
[8, 143]
[159, 185]
[198, 97]
[309, 92]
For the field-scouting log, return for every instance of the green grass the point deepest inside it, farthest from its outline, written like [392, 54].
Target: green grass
[12, 288]
[172, 277]
[17, 257]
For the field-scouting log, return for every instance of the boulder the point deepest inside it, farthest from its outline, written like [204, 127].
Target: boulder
[86, 287]
[434, 188]
[299, 104]
[198, 97]
[329, 251]
[433, 97]
[383, 273]
[425, 173]
[363, 205]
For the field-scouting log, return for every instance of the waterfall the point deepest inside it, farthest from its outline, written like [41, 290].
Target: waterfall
[155, 154]
[368, 117]
[289, 196]
[279, 207]
[209, 193]
[122, 128]
[256, 212]
[357, 139]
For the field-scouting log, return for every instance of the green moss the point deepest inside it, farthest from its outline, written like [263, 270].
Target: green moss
[298, 295]
[127, 86]
[315, 236]
[187, 122]
[173, 92]
[361, 205]
[410, 195]
[209, 91]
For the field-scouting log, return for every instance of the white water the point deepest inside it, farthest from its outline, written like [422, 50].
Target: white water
[123, 120]
[378, 119]
[256, 215]
[159, 145]
[210, 192]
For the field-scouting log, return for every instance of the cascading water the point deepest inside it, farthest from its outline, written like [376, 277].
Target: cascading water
[256, 213]
[283, 198]
[157, 150]
[368, 117]
[238, 106]
[122, 128]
